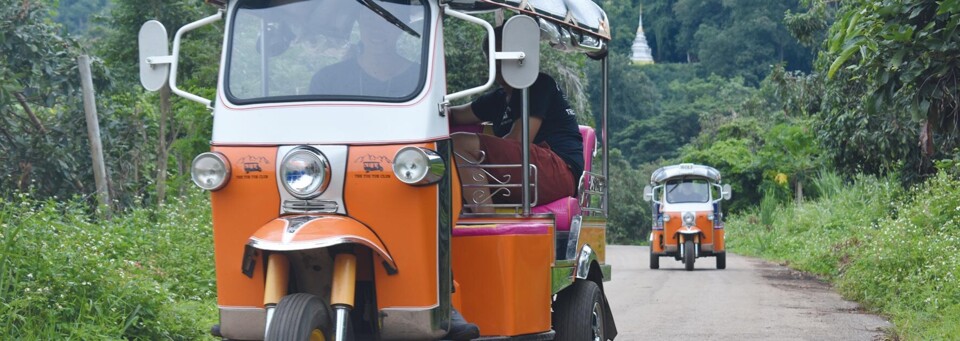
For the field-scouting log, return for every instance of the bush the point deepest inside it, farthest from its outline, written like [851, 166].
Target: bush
[911, 264]
[147, 274]
[894, 250]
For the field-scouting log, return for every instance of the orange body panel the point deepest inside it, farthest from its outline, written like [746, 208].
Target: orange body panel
[456, 200]
[404, 217]
[718, 243]
[595, 235]
[655, 243]
[671, 227]
[505, 282]
[248, 201]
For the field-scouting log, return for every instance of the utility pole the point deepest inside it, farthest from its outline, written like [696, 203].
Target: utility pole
[93, 133]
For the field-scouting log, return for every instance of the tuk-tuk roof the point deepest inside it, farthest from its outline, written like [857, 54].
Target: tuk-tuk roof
[684, 169]
[576, 25]
[569, 25]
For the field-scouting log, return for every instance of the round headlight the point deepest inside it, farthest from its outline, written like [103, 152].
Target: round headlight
[305, 173]
[666, 217]
[210, 171]
[418, 166]
[689, 218]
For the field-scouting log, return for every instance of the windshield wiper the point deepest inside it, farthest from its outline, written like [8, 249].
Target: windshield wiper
[386, 15]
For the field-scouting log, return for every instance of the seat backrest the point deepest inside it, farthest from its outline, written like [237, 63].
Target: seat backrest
[589, 147]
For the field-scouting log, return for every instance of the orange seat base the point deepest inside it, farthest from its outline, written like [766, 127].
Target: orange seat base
[504, 281]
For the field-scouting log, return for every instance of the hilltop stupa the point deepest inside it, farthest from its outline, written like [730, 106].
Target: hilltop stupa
[641, 51]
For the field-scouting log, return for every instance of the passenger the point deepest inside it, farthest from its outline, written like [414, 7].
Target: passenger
[556, 145]
[374, 68]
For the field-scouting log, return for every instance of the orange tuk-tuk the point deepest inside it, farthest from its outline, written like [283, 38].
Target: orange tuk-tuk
[337, 206]
[687, 220]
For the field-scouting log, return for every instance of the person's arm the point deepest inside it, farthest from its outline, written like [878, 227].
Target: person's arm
[463, 115]
[516, 132]
[540, 97]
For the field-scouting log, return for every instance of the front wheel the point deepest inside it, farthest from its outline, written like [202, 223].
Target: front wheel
[654, 259]
[579, 313]
[722, 260]
[300, 317]
[689, 255]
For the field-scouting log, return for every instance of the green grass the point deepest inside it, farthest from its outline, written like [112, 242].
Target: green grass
[895, 251]
[146, 274]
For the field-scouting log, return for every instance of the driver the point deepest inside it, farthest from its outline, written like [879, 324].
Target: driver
[373, 68]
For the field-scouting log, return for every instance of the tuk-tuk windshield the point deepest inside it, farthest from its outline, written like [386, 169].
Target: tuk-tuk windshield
[687, 191]
[283, 50]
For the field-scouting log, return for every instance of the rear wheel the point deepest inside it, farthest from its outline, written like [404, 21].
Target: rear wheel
[578, 313]
[722, 260]
[654, 259]
[300, 317]
[689, 255]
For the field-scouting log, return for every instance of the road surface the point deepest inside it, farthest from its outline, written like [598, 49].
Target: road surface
[750, 300]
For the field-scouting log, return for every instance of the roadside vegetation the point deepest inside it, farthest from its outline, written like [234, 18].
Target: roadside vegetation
[147, 274]
[894, 250]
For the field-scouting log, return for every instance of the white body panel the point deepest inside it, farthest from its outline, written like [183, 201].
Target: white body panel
[687, 207]
[337, 122]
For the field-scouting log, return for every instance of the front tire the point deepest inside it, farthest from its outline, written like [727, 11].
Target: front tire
[689, 255]
[654, 259]
[300, 317]
[579, 313]
[722, 260]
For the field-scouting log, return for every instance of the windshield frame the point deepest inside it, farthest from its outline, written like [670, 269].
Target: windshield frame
[425, 59]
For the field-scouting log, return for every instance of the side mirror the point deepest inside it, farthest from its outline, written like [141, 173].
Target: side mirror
[154, 55]
[647, 193]
[726, 192]
[521, 34]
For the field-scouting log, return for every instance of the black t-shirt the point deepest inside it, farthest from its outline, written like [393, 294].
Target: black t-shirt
[559, 128]
[348, 78]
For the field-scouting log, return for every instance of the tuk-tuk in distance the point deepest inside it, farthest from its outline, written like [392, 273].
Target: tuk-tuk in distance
[687, 219]
[351, 224]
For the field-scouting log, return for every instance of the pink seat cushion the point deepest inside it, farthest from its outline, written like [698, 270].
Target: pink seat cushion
[500, 229]
[563, 211]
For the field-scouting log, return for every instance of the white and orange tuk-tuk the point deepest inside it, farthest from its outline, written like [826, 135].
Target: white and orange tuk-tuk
[687, 217]
[337, 210]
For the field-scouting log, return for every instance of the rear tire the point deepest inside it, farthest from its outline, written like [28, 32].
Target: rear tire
[579, 312]
[298, 316]
[654, 259]
[689, 255]
[722, 260]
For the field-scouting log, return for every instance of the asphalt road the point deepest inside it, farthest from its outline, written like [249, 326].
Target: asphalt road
[750, 300]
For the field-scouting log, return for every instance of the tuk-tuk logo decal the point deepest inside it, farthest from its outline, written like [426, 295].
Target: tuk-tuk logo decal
[253, 164]
[373, 163]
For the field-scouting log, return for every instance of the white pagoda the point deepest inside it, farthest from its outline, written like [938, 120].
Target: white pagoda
[641, 51]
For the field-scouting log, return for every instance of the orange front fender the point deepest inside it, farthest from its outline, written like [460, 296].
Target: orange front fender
[311, 232]
[683, 233]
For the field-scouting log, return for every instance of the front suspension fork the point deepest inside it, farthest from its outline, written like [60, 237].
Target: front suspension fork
[341, 297]
[696, 245]
[342, 293]
[278, 276]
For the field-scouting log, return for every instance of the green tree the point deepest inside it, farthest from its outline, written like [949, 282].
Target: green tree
[176, 121]
[40, 108]
[75, 15]
[899, 57]
[630, 217]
